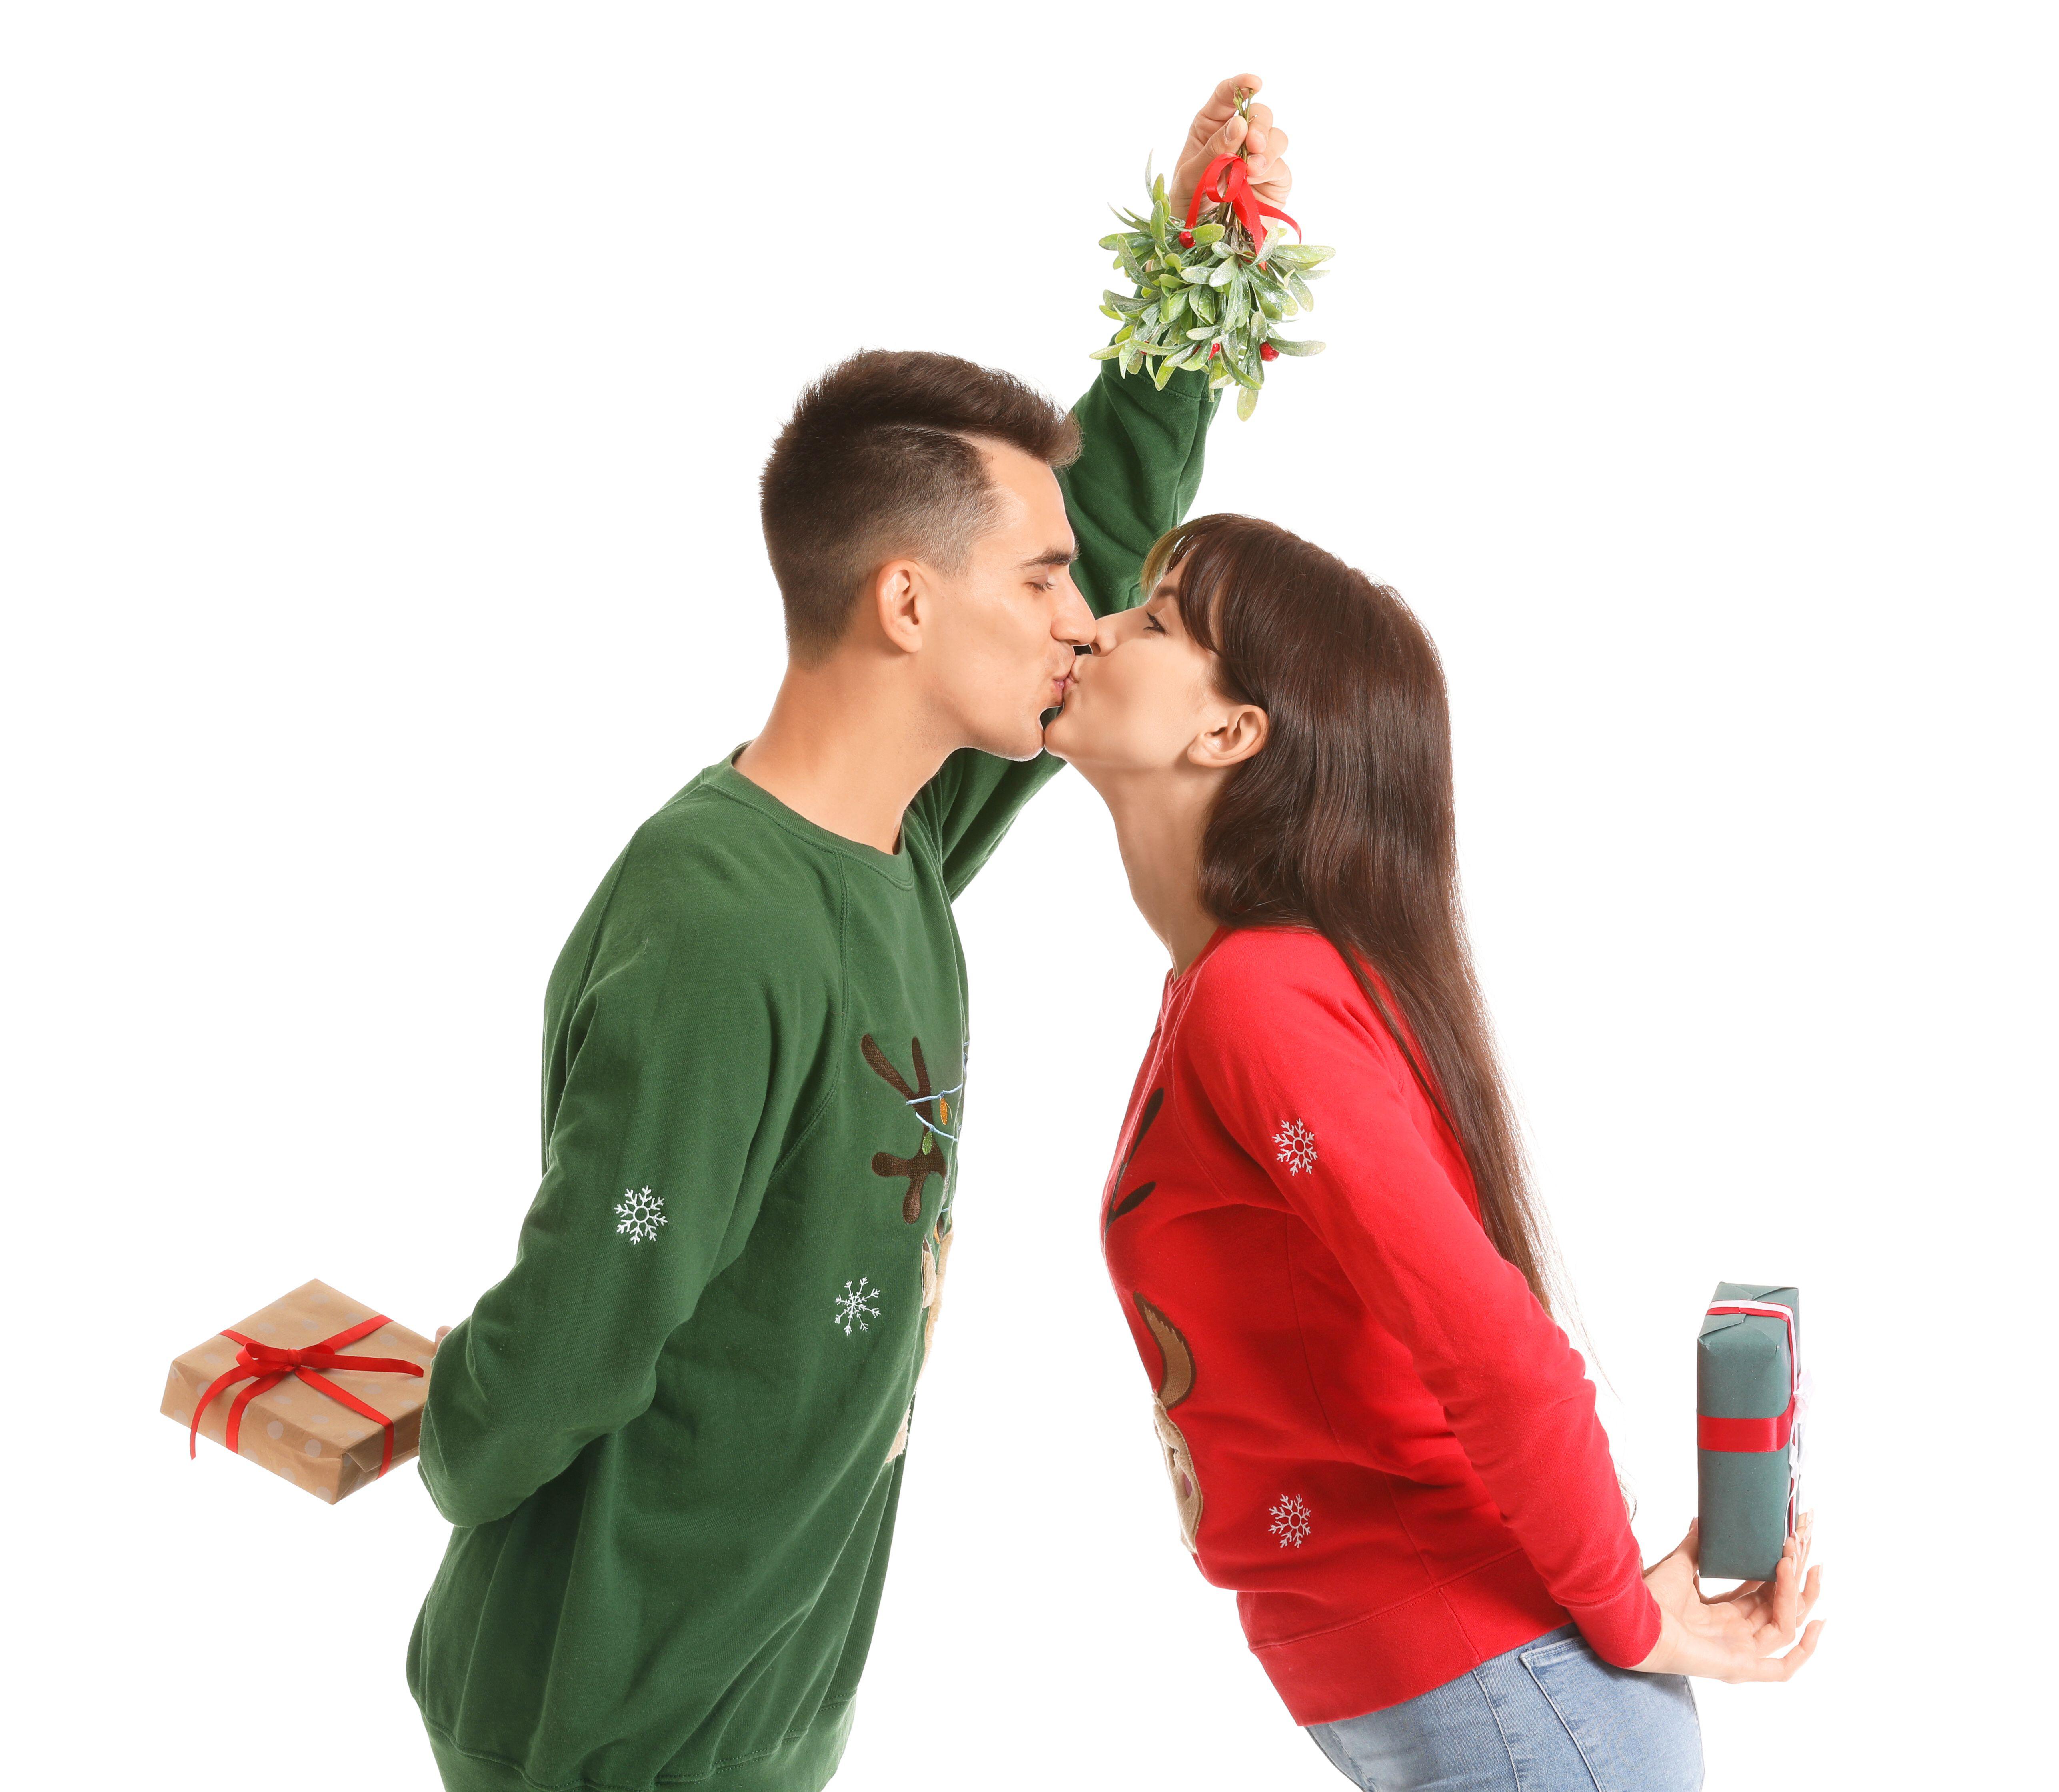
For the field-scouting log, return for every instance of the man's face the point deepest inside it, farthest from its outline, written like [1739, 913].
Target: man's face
[998, 639]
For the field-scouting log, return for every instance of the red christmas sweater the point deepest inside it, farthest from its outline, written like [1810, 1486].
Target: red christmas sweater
[1376, 1434]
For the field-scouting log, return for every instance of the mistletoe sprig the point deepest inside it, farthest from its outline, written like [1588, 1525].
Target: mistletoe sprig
[1210, 293]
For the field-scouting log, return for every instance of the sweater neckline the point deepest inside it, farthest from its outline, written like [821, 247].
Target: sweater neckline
[898, 867]
[1177, 979]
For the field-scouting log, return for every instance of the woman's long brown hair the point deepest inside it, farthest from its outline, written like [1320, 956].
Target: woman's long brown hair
[1343, 822]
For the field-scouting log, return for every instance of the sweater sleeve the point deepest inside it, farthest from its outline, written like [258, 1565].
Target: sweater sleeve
[1307, 1082]
[1139, 467]
[668, 1113]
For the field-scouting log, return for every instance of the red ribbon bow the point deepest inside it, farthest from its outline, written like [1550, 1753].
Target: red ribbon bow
[1231, 185]
[271, 1364]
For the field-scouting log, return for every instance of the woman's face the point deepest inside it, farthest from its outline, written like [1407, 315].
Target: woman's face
[1143, 697]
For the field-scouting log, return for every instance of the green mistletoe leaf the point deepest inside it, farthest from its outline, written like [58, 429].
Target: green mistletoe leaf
[1206, 304]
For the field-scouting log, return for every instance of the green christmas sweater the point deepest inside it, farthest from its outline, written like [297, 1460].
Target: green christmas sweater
[672, 1438]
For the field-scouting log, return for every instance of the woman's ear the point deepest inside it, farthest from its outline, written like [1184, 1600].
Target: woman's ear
[1233, 737]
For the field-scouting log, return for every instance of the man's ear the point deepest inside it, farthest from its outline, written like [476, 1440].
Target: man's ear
[1233, 737]
[896, 591]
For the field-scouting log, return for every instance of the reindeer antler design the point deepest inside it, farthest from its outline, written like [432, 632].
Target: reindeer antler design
[929, 1158]
[1117, 1209]
[1177, 1382]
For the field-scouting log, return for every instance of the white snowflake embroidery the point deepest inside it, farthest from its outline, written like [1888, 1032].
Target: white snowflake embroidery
[856, 1305]
[1290, 1521]
[1297, 1147]
[641, 1213]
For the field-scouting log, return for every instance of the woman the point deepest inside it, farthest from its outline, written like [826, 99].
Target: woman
[1318, 1224]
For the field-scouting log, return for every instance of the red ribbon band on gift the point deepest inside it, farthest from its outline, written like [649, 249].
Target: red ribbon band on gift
[1752, 1436]
[272, 1363]
[1226, 183]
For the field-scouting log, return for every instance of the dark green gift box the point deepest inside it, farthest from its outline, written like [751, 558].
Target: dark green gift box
[1747, 1388]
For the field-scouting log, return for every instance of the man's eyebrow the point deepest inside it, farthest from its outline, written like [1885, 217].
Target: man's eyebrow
[1053, 556]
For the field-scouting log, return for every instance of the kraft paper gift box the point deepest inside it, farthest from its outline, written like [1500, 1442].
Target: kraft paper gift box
[319, 1388]
[1748, 1409]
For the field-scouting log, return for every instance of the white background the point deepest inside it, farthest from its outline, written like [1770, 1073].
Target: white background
[384, 390]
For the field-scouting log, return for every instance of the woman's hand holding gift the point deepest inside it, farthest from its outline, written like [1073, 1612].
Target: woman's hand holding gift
[1736, 1635]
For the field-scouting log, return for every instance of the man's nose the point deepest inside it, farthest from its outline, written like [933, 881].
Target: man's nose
[1074, 622]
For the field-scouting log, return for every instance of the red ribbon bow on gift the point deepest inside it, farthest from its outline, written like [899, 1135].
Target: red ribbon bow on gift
[1228, 183]
[272, 1363]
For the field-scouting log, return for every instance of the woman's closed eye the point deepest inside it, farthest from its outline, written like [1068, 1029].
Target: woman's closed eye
[1153, 623]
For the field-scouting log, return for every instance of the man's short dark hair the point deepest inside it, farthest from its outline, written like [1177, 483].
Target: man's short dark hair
[880, 459]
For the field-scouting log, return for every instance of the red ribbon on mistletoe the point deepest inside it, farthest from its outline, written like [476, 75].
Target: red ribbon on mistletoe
[1227, 183]
[271, 1364]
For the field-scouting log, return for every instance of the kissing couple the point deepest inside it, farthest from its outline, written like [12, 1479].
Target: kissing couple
[671, 1439]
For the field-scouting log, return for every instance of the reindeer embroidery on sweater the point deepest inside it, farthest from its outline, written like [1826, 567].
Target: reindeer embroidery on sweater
[1174, 1385]
[936, 1260]
[934, 1111]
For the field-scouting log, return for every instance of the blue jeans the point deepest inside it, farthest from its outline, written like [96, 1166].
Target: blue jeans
[1550, 1717]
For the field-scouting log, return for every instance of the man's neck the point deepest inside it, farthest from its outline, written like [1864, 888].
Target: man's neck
[841, 749]
[1159, 821]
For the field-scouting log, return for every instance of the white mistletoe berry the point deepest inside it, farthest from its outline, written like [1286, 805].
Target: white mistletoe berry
[641, 1213]
[1290, 1521]
[1297, 1147]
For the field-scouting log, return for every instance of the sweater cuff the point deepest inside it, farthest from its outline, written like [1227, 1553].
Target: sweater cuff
[1622, 1631]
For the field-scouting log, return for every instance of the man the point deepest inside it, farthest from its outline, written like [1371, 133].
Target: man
[672, 1437]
